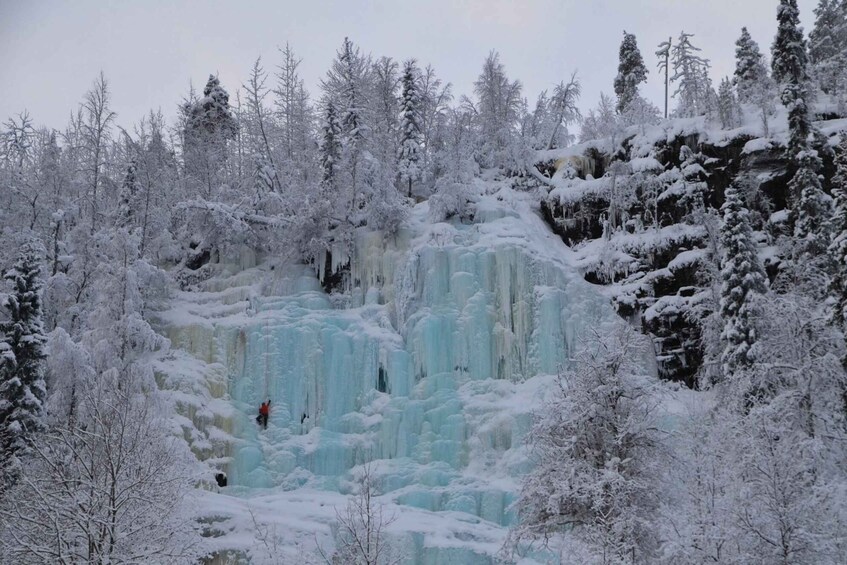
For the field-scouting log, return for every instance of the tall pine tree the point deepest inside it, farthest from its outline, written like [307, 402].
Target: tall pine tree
[410, 130]
[838, 246]
[631, 72]
[828, 45]
[208, 125]
[790, 71]
[741, 277]
[749, 66]
[330, 147]
[789, 65]
[22, 342]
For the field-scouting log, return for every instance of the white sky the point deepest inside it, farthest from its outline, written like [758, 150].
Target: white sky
[51, 51]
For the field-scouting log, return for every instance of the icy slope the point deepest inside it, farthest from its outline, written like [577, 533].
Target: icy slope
[432, 371]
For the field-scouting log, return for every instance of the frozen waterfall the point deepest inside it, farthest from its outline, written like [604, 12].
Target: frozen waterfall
[431, 371]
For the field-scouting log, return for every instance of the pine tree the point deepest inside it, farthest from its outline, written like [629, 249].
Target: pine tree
[410, 131]
[346, 84]
[631, 72]
[22, 388]
[828, 45]
[749, 66]
[208, 125]
[790, 71]
[211, 116]
[330, 147]
[127, 196]
[811, 209]
[838, 246]
[742, 276]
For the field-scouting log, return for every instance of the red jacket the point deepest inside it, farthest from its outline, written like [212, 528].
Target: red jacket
[264, 409]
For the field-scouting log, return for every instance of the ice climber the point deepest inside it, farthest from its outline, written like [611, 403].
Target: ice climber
[264, 412]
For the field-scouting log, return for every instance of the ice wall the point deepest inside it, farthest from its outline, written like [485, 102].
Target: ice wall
[432, 369]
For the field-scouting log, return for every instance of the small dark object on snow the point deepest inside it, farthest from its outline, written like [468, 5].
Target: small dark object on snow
[221, 479]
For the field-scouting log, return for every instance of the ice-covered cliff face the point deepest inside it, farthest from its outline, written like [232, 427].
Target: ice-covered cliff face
[431, 371]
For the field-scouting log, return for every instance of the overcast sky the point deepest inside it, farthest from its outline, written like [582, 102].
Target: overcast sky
[51, 51]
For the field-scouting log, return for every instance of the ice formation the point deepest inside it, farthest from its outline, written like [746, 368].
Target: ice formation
[431, 370]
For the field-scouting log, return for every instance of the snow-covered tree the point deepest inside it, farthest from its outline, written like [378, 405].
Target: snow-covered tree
[127, 197]
[641, 112]
[386, 107]
[742, 278]
[156, 175]
[96, 118]
[348, 85]
[209, 124]
[452, 196]
[762, 94]
[111, 485]
[434, 100]
[751, 79]
[729, 111]
[602, 123]
[838, 245]
[498, 108]
[785, 512]
[546, 127]
[70, 375]
[330, 147]
[789, 64]
[811, 209]
[295, 120]
[631, 72]
[562, 112]
[256, 129]
[749, 65]
[828, 46]
[362, 538]
[595, 445]
[691, 73]
[699, 526]
[409, 153]
[22, 343]
[790, 71]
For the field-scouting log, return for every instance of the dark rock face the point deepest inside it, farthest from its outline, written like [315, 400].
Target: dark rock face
[334, 281]
[671, 298]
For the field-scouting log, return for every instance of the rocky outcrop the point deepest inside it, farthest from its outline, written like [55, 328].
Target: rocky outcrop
[648, 227]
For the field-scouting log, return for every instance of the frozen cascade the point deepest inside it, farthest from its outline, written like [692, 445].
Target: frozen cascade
[432, 369]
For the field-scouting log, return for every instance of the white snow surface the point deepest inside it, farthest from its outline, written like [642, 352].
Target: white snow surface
[451, 337]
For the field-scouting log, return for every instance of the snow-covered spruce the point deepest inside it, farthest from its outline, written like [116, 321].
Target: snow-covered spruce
[742, 281]
[595, 447]
[631, 72]
[22, 344]
[838, 245]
